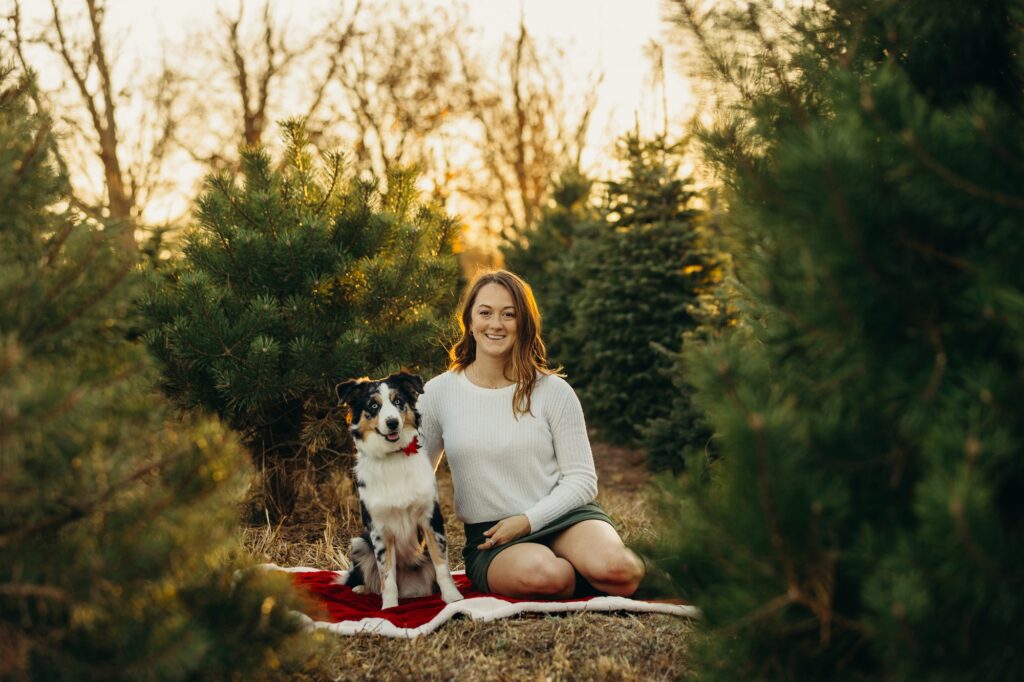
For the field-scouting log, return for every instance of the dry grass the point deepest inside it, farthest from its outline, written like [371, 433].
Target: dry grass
[574, 646]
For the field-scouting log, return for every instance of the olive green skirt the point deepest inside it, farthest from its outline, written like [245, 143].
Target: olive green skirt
[479, 560]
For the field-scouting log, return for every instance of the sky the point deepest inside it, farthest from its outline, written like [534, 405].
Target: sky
[606, 36]
[609, 35]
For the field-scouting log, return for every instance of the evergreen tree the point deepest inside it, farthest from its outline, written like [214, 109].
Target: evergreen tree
[685, 432]
[864, 519]
[292, 281]
[543, 257]
[116, 522]
[638, 272]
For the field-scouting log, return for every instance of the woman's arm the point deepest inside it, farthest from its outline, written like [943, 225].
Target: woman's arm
[430, 428]
[577, 483]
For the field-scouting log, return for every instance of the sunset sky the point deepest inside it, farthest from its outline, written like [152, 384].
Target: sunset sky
[606, 36]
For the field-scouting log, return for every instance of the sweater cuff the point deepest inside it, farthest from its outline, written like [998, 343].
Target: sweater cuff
[534, 518]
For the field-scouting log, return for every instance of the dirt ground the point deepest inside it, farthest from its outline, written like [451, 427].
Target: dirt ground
[575, 646]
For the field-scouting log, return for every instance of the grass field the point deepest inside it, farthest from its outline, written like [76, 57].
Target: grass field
[576, 646]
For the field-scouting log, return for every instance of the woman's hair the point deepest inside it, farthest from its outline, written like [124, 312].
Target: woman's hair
[528, 355]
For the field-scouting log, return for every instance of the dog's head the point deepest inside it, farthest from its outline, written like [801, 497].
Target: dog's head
[382, 413]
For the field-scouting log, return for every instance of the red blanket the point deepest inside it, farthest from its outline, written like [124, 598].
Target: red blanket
[338, 609]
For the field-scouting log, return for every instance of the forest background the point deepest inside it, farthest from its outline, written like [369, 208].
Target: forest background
[797, 302]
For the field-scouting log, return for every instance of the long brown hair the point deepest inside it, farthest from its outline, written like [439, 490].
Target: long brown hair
[528, 356]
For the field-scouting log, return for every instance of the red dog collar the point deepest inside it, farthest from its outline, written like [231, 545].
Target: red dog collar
[412, 448]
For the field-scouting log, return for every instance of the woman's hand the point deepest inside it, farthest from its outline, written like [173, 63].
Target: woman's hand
[506, 530]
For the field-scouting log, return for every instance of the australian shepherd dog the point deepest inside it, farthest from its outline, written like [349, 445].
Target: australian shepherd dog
[403, 551]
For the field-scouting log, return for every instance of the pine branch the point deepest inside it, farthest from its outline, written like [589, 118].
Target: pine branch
[771, 56]
[939, 367]
[931, 252]
[769, 608]
[227, 192]
[756, 423]
[70, 401]
[28, 590]
[84, 263]
[992, 568]
[1011, 161]
[955, 180]
[24, 164]
[335, 161]
[849, 228]
[100, 294]
[79, 509]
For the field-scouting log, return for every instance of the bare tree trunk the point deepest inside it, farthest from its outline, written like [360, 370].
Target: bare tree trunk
[261, 58]
[401, 88]
[520, 141]
[120, 205]
[527, 134]
[256, 69]
[87, 61]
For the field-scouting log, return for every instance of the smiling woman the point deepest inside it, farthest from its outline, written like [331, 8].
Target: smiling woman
[517, 446]
[493, 327]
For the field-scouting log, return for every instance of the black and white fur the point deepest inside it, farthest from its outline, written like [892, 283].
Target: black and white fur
[397, 495]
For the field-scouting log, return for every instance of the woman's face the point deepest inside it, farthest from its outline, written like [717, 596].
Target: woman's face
[493, 321]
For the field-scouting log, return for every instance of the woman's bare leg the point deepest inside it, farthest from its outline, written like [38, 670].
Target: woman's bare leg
[597, 552]
[529, 570]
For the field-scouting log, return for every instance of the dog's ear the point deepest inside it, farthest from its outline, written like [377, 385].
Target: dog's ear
[409, 382]
[348, 392]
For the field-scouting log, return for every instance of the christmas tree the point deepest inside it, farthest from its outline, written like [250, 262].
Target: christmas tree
[294, 280]
[118, 558]
[638, 271]
[685, 432]
[864, 519]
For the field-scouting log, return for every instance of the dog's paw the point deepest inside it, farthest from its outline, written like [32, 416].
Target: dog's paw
[389, 596]
[360, 589]
[450, 595]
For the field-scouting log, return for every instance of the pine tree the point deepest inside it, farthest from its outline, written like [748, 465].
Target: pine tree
[864, 519]
[544, 259]
[685, 432]
[116, 519]
[639, 270]
[292, 281]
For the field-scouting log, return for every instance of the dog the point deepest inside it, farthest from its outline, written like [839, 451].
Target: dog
[397, 494]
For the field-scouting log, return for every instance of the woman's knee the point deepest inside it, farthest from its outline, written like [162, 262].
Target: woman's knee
[546, 576]
[618, 573]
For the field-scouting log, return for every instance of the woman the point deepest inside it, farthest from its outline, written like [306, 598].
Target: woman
[520, 458]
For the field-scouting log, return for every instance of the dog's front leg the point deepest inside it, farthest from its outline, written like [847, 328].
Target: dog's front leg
[437, 546]
[389, 575]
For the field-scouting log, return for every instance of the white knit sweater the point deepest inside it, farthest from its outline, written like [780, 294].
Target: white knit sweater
[539, 465]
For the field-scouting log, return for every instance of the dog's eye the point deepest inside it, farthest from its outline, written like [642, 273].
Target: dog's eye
[373, 406]
[399, 403]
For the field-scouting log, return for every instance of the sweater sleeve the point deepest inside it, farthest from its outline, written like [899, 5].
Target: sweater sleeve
[430, 426]
[577, 482]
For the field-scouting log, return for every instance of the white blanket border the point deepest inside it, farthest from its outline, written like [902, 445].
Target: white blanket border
[482, 609]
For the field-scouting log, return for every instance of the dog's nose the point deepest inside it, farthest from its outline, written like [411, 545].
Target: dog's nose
[392, 423]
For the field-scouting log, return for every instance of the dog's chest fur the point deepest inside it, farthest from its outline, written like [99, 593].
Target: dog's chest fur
[397, 490]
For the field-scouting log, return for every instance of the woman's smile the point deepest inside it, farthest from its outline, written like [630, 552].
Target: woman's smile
[493, 321]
